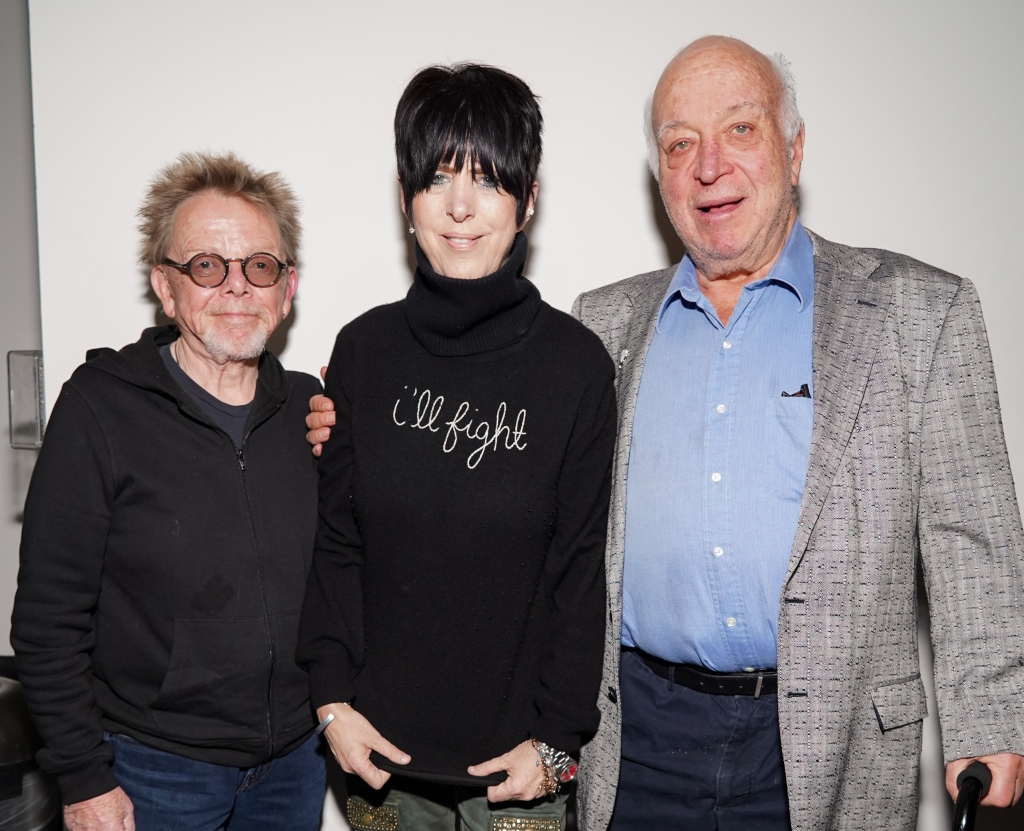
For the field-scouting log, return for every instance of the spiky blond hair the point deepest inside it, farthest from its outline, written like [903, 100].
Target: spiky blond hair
[193, 173]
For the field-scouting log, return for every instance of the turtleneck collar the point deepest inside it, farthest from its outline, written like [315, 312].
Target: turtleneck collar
[456, 318]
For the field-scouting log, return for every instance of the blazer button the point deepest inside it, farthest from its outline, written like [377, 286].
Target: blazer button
[613, 696]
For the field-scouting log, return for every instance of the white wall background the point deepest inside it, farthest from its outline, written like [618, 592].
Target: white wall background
[913, 112]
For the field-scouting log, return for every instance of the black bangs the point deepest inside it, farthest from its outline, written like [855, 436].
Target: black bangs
[447, 114]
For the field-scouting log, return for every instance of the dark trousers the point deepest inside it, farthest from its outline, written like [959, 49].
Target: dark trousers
[696, 761]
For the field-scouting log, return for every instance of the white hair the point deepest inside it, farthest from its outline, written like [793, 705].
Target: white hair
[651, 139]
[790, 121]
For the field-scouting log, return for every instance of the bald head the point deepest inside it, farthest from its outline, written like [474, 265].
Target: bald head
[774, 72]
[726, 147]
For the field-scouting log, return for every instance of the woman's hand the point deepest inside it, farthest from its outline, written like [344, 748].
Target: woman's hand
[525, 774]
[320, 419]
[352, 737]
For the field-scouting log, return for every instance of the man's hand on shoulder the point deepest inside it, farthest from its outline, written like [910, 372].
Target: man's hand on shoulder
[1007, 778]
[320, 419]
[111, 811]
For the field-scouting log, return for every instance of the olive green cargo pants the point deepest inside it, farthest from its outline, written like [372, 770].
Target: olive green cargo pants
[408, 805]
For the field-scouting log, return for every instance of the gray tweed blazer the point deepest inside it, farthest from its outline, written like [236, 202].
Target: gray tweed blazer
[908, 464]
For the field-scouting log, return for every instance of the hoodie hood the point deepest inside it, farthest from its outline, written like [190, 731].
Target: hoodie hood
[140, 365]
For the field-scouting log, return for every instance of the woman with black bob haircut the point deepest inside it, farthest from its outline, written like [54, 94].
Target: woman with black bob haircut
[454, 618]
[474, 112]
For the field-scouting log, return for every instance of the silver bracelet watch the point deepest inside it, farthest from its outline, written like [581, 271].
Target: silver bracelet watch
[561, 765]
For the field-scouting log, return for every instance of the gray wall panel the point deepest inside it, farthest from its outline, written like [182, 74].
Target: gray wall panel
[19, 308]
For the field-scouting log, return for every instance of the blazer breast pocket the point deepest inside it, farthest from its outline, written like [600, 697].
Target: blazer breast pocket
[788, 434]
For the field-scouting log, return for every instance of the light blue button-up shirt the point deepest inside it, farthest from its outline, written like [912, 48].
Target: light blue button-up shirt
[717, 468]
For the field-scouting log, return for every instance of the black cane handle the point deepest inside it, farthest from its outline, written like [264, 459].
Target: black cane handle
[973, 784]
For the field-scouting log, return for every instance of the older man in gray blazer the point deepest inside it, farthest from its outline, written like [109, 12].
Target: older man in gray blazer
[801, 423]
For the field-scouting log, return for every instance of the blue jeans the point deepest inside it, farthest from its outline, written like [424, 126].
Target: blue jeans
[172, 793]
[696, 761]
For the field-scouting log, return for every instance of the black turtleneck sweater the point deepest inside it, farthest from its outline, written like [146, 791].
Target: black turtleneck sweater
[457, 592]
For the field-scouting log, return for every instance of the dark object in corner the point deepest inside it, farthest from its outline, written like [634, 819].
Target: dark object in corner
[28, 798]
[8, 668]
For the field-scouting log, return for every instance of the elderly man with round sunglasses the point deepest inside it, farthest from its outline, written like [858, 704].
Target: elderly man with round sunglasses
[168, 533]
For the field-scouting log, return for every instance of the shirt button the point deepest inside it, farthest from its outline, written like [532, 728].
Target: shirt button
[718, 551]
[726, 345]
[748, 669]
[720, 408]
[716, 477]
[730, 621]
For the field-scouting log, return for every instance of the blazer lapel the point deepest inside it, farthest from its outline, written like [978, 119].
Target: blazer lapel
[849, 310]
[643, 321]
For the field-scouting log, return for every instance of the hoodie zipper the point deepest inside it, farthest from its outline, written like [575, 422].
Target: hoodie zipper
[240, 455]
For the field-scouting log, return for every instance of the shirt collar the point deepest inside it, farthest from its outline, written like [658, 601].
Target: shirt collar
[794, 269]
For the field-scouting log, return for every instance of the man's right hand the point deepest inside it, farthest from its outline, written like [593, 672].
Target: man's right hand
[320, 419]
[352, 737]
[111, 811]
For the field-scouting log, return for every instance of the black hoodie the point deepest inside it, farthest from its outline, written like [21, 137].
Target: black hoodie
[162, 571]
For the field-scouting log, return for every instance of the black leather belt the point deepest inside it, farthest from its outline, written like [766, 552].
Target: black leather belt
[757, 683]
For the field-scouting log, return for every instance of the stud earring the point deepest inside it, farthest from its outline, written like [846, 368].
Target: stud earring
[412, 230]
[529, 211]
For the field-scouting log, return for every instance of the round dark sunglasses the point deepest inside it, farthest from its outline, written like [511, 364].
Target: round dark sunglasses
[210, 270]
